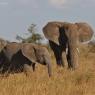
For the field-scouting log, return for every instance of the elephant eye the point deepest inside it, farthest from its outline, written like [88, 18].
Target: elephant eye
[5, 47]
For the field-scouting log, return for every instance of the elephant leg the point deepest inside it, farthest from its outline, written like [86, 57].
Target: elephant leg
[33, 66]
[64, 58]
[58, 56]
[59, 61]
[48, 63]
[27, 69]
[63, 45]
[70, 65]
[57, 52]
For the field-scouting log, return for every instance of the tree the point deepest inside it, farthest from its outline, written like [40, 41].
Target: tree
[33, 37]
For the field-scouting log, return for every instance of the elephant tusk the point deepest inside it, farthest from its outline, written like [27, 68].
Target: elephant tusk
[78, 50]
[66, 50]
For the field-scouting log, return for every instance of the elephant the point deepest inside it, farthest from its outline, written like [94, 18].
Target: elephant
[66, 35]
[25, 55]
[4, 62]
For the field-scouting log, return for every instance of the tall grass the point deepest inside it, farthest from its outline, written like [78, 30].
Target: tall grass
[62, 82]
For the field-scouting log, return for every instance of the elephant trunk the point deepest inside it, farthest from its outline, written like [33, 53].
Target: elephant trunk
[48, 63]
[73, 57]
[73, 42]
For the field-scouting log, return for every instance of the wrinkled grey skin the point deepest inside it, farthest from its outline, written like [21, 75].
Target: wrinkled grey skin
[26, 55]
[4, 62]
[62, 35]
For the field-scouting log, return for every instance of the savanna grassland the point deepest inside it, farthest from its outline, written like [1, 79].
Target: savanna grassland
[62, 82]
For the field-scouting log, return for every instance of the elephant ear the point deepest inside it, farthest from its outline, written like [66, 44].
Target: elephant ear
[28, 51]
[3, 43]
[51, 32]
[85, 32]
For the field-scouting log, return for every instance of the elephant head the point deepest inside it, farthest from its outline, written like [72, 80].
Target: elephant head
[23, 55]
[62, 35]
[51, 31]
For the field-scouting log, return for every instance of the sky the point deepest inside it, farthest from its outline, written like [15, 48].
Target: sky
[17, 15]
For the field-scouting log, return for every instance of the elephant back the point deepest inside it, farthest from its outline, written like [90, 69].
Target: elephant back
[11, 49]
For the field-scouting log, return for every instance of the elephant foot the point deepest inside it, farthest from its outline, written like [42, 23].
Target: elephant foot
[72, 66]
[62, 64]
[50, 74]
[5, 74]
[59, 63]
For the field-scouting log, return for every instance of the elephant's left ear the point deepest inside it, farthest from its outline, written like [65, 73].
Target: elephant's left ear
[3, 43]
[85, 31]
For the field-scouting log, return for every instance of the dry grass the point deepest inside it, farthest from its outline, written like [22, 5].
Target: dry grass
[63, 81]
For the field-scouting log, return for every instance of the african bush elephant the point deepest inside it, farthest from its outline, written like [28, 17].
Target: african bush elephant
[62, 35]
[3, 58]
[23, 55]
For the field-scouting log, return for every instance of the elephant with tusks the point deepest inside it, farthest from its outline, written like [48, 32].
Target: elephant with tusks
[65, 35]
[23, 56]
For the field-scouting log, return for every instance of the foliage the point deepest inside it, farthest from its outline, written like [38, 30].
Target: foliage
[33, 37]
[63, 81]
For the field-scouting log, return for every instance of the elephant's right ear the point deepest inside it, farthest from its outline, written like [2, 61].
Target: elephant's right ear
[51, 32]
[3, 43]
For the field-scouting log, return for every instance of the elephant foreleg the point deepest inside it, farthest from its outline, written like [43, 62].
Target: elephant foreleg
[48, 63]
[69, 59]
[33, 66]
[58, 56]
[64, 58]
[57, 52]
[27, 69]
